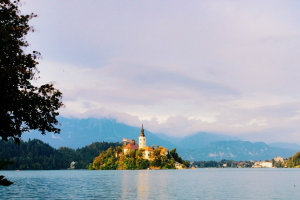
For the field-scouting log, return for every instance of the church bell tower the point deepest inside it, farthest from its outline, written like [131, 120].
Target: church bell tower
[142, 138]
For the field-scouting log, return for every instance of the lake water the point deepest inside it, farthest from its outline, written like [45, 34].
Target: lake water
[154, 184]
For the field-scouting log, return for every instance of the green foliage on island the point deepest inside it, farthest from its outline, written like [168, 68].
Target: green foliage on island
[279, 164]
[294, 161]
[37, 155]
[115, 159]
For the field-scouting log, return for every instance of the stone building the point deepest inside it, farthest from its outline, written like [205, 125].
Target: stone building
[130, 147]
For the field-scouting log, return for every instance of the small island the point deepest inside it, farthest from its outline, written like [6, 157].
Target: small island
[130, 156]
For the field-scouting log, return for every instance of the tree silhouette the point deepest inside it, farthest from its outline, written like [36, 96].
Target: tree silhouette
[23, 106]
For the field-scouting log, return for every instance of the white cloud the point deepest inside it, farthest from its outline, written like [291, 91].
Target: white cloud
[222, 66]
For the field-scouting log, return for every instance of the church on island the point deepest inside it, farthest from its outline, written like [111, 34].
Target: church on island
[137, 155]
[130, 145]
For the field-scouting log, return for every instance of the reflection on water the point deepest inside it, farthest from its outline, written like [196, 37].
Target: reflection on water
[127, 182]
[154, 184]
[136, 184]
[143, 184]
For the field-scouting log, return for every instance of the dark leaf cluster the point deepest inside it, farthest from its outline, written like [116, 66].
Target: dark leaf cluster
[23, 106]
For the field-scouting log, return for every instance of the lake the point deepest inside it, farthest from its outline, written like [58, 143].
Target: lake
[154, 184]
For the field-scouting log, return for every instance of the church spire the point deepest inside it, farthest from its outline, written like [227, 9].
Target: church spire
[142, 131]
[142, 138]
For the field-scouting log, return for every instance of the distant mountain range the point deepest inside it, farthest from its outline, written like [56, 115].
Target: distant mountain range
[285, 145]
[235, 150]
[76, 133]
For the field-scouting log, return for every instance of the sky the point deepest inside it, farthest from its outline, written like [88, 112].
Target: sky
[178, 67]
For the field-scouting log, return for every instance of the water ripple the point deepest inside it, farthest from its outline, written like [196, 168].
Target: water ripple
[154, 184]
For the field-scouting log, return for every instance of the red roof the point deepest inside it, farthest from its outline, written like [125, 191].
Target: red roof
[131, 146]
[146, 148]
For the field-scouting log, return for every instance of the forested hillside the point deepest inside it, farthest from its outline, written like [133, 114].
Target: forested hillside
[294, 161]
[35, 154]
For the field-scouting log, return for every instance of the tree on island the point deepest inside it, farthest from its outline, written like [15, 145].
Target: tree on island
[293, 161]
[23, 106]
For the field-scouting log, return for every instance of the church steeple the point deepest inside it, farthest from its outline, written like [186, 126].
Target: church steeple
[142, 131]
[142, 138]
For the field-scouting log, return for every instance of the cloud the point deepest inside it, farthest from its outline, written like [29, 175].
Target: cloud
[55, 137]
[229, 67]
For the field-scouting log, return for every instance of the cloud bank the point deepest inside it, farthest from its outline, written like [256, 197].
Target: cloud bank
[229, 67]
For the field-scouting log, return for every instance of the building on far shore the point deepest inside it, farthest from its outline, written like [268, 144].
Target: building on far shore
[178, 165]
[262, 164]
[278, 159]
